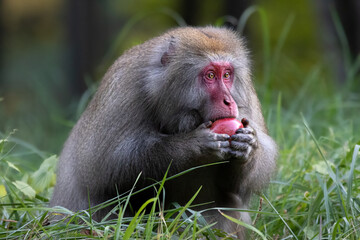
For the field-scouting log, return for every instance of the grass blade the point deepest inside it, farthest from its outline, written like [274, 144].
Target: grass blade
[351, 175]
[174, 224]
[132, 225]
[241, 223]
[278, 214]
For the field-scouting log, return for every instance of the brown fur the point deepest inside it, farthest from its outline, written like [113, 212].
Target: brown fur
[149, 111]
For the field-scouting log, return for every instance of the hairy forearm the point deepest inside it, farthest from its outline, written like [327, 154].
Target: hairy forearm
[154, 156]
[257, 172]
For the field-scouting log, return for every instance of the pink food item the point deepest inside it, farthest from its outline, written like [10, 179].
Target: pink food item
[226, 125]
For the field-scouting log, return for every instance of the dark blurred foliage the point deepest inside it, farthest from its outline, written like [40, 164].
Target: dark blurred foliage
[340, 20]
[51, 52]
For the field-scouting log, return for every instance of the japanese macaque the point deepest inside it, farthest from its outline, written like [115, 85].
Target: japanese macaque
[154, 109]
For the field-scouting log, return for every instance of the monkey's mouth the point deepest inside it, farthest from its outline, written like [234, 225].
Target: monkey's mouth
[222, 117]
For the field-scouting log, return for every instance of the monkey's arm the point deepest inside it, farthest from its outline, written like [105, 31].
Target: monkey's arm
[262, 165]
[152, 155]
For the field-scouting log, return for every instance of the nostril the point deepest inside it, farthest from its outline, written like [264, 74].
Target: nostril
[226, 102]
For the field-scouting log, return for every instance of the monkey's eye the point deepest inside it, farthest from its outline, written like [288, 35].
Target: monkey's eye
[227, 75]
[210, 75]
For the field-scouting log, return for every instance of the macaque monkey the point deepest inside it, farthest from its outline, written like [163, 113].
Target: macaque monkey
[154, 108]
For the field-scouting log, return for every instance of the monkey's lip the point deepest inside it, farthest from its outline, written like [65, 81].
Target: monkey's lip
[222, 117]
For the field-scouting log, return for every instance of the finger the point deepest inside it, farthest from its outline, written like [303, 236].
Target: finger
[247, 130]
[243, 137]
[219, 145]
[221, 137]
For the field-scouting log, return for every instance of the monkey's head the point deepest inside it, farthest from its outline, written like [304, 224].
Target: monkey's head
[202, 74]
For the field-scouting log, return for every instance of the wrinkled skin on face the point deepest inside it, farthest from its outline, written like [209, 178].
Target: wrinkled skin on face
[217, 79]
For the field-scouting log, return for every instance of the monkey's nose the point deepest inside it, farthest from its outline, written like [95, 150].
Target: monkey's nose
[227, 102]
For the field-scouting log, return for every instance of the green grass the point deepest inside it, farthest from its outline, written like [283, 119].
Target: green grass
[314, 195]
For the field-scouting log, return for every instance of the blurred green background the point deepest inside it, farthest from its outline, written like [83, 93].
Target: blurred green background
[52, 53]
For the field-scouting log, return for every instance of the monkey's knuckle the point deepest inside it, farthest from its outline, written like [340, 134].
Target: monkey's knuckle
[222, 137]
[211, 136]
[225, 144]
[247, 130]
[216, 137]
[248, 138]
[234, 137]
[240, 137]
[240, 130]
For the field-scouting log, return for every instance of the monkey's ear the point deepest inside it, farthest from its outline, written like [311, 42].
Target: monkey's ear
[166, 57]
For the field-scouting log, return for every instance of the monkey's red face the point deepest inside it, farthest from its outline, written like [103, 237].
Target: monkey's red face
[217, 79]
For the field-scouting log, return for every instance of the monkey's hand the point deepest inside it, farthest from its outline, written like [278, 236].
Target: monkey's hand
[212, 143]
[243, 144]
